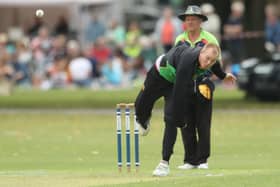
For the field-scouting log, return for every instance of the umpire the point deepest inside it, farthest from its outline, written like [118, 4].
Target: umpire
[196, 111]
[196, 135]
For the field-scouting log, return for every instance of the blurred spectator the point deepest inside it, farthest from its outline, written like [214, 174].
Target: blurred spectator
[132, 48]
[41, 47]
[149, 51]
[6, 69]
[58, 73]
[3, 43]
[113, 71]
[213, 25]
[116, 34]
[95, 71]
[61, 27]
[94, 30]
[6, 75]
[233, 30]
[15, 34]
[101, 51]
[167, 28]
[58, 45]
[272, 29]
[23, 62]
[73, 49]
[33, 29]
[80, 68]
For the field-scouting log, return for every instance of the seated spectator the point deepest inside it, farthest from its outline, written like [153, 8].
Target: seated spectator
[132, 48]
[3, 43]
[100, 51]
[148, 53]
[80, 68]
[73, 49]
[6, 68]
[58, 73]
[116, 34]
[41, 47]
[95, 70]
[6, 75]
[113, 72]
[80, 71]
[59, 44]
[23, 63]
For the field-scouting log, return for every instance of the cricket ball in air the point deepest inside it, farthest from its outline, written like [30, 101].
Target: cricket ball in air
[39, 13]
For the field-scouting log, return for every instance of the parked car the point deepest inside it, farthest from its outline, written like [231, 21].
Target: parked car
[261, 77]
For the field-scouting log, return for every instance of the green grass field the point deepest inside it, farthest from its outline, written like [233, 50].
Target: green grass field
[76, 148]
[108, 98]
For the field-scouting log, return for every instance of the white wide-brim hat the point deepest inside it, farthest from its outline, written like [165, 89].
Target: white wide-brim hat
[193, 10]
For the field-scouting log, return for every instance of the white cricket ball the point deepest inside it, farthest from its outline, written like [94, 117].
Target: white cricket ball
[39, 13]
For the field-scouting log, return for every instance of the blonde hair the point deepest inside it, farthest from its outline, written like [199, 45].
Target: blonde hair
[212, 46]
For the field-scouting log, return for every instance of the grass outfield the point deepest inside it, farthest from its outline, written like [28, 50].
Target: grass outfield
[107, 98]
[78, 149]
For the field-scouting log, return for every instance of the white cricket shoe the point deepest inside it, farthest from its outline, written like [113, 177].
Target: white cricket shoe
[186, 166]
[203, 166]
[161, 170]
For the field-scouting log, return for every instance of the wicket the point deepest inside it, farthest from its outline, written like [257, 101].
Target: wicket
[128, 107]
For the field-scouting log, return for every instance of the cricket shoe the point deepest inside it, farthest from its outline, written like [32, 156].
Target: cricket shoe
[144, 128]
[186, 166]
[203, 166]
[161, 170]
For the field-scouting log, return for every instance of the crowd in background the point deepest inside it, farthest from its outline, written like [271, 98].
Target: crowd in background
[114, 55]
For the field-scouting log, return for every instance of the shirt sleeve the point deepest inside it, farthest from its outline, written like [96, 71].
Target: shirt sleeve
[218, 71]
